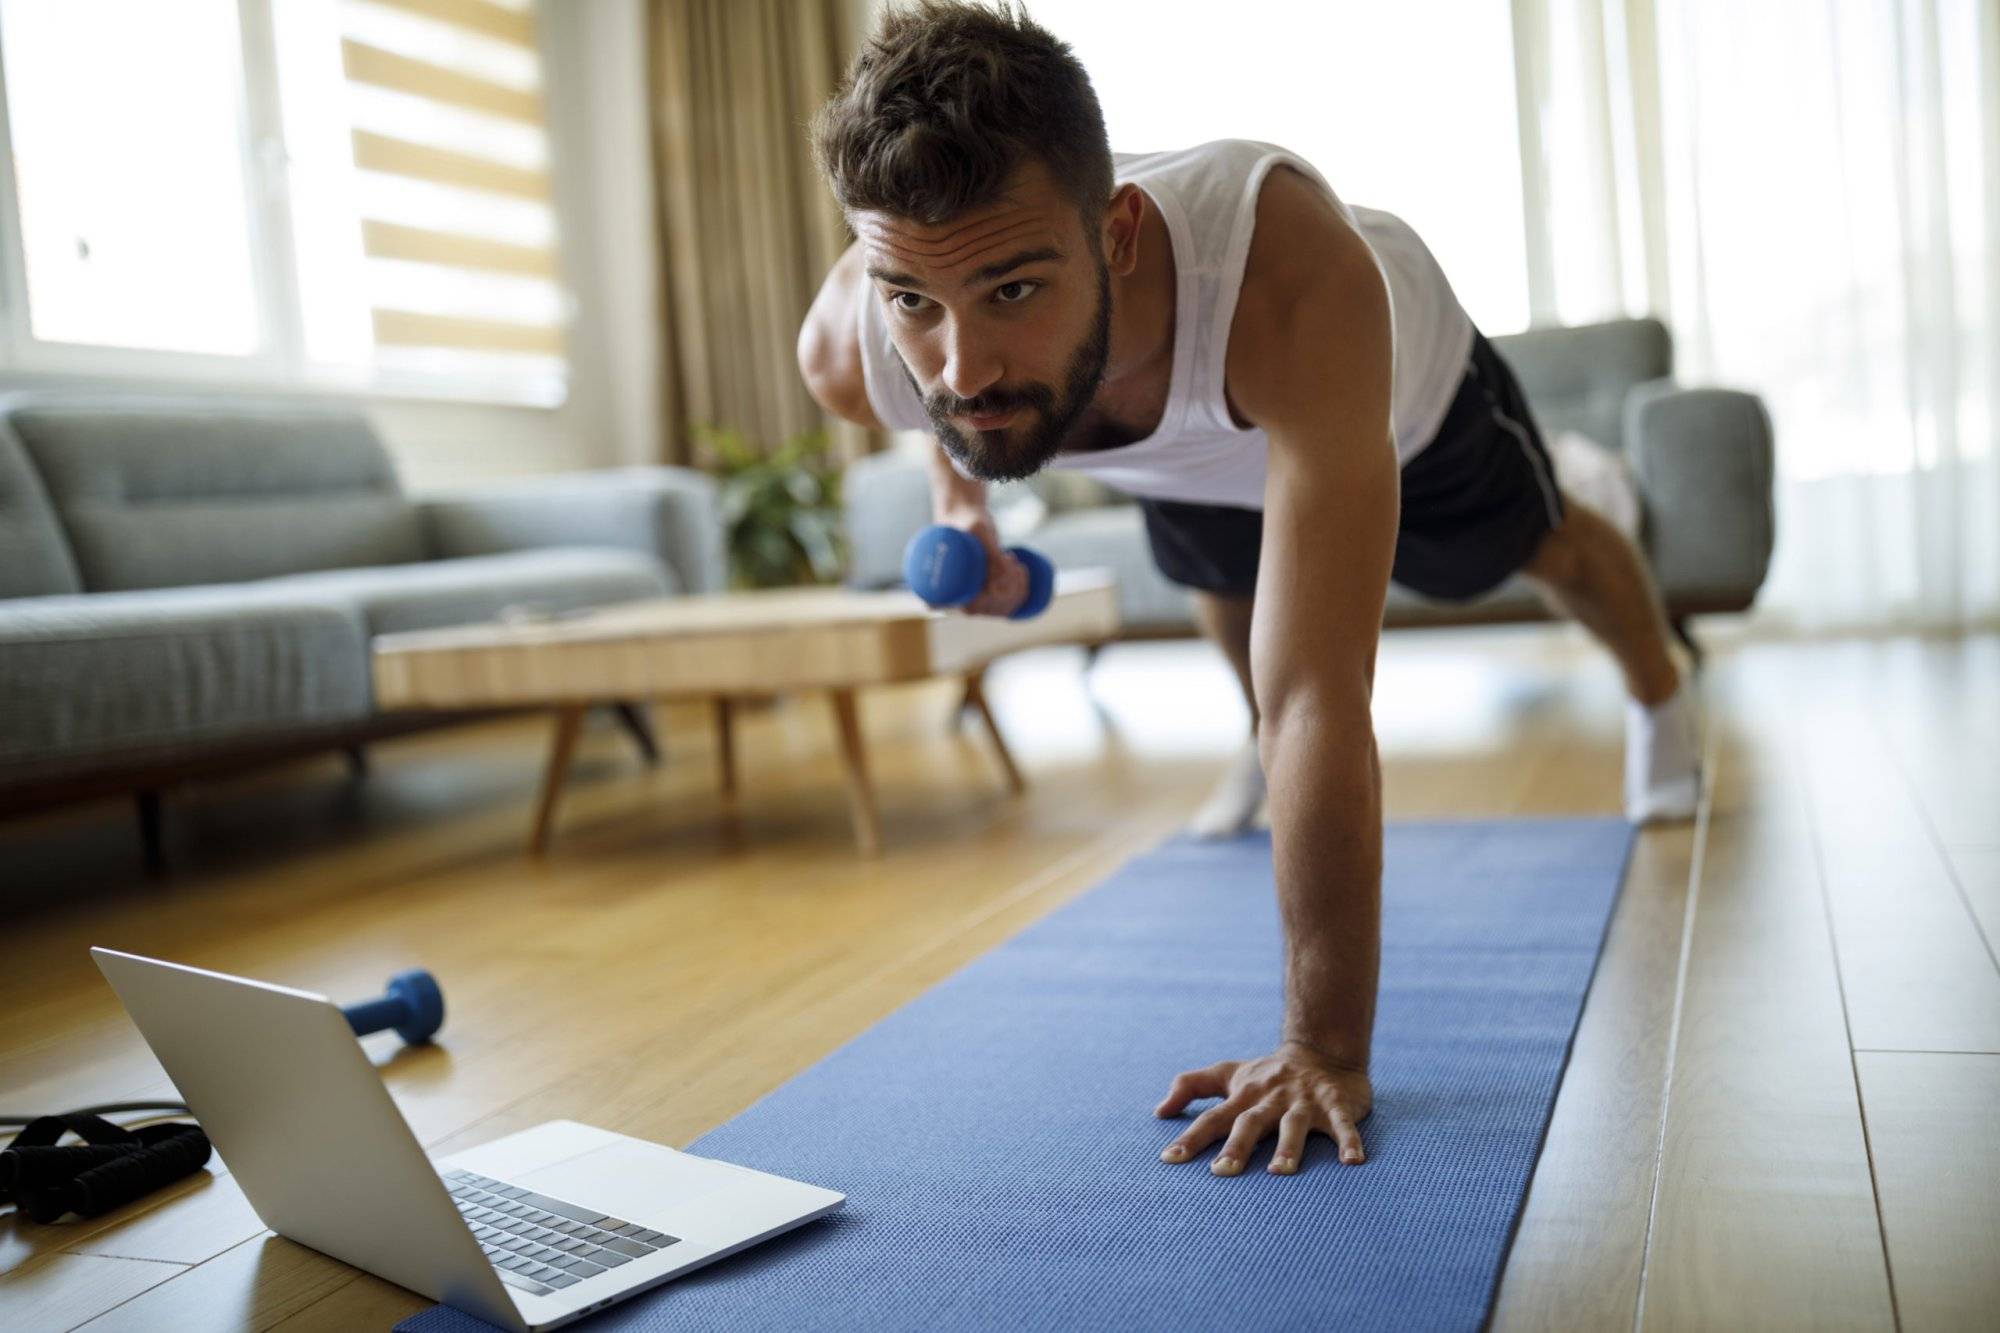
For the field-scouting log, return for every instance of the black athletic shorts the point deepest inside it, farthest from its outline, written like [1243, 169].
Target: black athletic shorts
[1476, 503]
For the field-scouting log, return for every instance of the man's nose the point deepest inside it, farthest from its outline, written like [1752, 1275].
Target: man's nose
[970, 366]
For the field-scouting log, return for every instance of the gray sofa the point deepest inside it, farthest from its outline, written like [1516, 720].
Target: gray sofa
[1701, 457]
[189, 583]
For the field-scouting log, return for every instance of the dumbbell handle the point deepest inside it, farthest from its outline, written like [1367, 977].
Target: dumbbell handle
[374, 1015]
[946, 566]
[414, 1006]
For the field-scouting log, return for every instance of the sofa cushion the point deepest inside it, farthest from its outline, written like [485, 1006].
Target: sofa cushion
[1577, 378]
[888, 500]
[159, 492]
[104, 673]
[34, 558]
[457, 592]
[1114, 538]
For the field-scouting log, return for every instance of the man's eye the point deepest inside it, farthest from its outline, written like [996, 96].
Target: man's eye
[1013, 293]
[907, 301]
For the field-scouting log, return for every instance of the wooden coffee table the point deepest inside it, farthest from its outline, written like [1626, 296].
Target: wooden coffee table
[728, 646]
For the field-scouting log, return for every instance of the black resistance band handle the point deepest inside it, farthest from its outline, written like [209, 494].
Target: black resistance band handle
[112, 1166]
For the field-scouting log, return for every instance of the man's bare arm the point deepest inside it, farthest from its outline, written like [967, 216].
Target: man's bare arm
[1330, 516]
[829, 348]
[1315, 375]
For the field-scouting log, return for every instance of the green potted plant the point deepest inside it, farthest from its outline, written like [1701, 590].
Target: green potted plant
[781, 509]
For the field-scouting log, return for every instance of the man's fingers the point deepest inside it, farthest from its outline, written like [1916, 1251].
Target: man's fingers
[1249, 1130]
[1006, 582]
[1293, 1129]
[1209, 1126]
[985, 604]
[1192, 1086]
[1006, 587]
[1349, 1139]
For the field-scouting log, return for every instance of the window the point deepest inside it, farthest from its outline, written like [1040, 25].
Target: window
[345, 194]
[134, 228]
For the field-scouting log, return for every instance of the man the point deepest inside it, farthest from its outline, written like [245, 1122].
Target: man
[1300, 404]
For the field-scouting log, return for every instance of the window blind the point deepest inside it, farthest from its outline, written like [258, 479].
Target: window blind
[426, 219]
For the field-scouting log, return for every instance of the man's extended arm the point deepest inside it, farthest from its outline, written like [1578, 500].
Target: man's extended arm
[1329, 537]
[1316, 377]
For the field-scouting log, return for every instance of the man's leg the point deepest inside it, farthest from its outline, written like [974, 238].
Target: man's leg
[1212, 551]
[1232, 806]
[1225, 622]
[1587, 570]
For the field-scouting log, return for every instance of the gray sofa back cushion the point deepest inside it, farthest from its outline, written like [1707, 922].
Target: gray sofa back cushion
[34, 558]
[1577, 378]
[158, 493]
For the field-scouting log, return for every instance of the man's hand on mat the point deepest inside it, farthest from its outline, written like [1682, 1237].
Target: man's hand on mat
[1293, 1091]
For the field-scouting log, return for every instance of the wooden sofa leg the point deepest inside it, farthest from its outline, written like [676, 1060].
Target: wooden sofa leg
[633, 718]
[151, 848]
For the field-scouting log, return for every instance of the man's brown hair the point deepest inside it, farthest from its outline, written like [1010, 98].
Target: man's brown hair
[946, 100]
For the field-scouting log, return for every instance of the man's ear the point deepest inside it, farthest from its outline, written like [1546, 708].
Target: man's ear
[1118, 234]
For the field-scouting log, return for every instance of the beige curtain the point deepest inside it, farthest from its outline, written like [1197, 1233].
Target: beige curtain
[747, 228]
[1809, 194]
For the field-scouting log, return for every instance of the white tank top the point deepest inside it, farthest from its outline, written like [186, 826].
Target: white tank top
[1207, 196]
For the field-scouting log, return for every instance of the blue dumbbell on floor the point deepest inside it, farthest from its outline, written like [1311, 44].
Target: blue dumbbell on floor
[414, 1006]
[947, 567]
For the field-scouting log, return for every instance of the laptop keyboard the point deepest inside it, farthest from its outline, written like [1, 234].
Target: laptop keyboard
[542, 1245]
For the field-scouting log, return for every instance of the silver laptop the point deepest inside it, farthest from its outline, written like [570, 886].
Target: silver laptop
[527, 1232]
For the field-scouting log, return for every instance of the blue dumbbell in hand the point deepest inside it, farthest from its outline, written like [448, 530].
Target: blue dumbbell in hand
[414, 1006]
[947, 567]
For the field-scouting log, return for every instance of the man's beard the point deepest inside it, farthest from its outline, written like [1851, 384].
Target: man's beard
[1020, 449]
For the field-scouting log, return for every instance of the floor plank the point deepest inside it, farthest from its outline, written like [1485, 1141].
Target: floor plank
[1977, 870]
[1936, 701]
[60, 1291]
[254, 1285]
[1578, 1252]
[193, 1225]
[366, 1302]
[1914, 966]
[1934, 1128]
[183, 1223]
[1577, 1257]
[1764, 1215]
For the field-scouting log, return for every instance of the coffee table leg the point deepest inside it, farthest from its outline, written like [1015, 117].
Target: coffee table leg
[860, 796]
[725, 746]
[975, 694]
[569, 721]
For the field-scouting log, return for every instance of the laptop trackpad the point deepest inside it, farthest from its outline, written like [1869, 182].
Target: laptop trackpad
[634, 1181]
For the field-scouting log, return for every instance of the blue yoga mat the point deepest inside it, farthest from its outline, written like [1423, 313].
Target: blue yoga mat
[996, 1139]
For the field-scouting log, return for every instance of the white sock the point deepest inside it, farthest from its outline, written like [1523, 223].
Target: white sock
[1662, 758]
[1232, 806]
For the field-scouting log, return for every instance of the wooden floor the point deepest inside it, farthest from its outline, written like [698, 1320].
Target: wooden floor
[1783, 1109]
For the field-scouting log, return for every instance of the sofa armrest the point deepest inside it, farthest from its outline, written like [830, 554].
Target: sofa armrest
[1703, 460]
[671, 513]
[885, 499]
